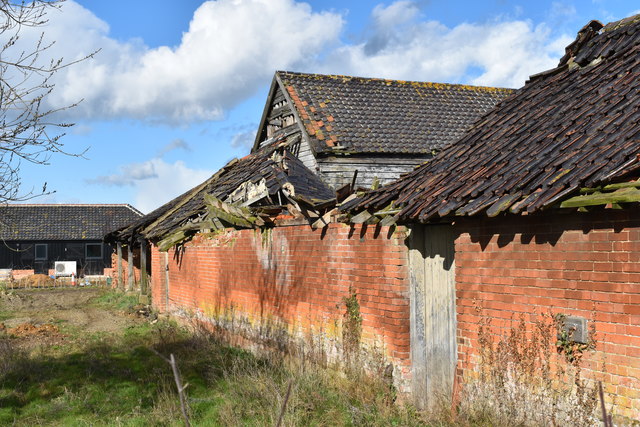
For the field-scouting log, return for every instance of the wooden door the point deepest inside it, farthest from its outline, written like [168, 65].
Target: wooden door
[433, 313]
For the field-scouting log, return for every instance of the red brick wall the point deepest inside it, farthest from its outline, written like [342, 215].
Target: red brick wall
[122, 282]
[575, 264]
[19, 274]
[159, 294]
[298, 278]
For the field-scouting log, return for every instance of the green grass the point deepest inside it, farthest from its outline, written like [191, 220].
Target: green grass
[116, 301]
[116, 379]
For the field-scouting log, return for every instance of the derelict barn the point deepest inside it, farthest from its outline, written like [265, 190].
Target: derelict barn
[533, 209]
[379, 128]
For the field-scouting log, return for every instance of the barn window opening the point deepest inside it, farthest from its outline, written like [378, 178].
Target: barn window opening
[93, 250]
[41, 251]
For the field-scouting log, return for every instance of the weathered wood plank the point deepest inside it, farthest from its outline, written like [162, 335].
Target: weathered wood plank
[417, 310]
[171, 240]
[433, 319]
[143, 267]
[361, 218]
[623, 195]
[120, 282]
[339, 171]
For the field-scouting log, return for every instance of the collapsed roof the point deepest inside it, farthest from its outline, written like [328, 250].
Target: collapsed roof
[270, 181]
[571, 128]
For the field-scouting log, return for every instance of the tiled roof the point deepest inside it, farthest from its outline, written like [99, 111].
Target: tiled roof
[63, 222]
[365, 115]
[273, 164]
[571, 127]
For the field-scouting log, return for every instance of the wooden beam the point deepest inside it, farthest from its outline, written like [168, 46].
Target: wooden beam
[120, 279]
[611, 187]
[388, 220]
[361, 218]
[172, 239]
[131, 275]
[166, 279]
[623, 195]
[143, 267]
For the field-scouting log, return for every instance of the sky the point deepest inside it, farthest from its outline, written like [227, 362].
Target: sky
[177, 88]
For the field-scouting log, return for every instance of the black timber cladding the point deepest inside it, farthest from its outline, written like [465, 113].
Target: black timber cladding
[571, 127]
[368, 115]
[21, 255]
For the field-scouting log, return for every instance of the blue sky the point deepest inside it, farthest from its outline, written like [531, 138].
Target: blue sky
[178, 87]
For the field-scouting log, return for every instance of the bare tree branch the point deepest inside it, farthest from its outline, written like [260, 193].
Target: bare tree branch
[28, 129]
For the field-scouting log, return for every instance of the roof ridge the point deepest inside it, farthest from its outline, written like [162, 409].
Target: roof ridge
[69, 204]
[73, 205]
[614, 25]
[382, 79]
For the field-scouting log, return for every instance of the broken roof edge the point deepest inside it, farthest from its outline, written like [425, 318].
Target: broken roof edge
[146, 219]
[616, 195]
[191, 212]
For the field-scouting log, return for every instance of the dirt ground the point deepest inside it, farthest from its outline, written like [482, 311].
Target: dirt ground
[41, 316]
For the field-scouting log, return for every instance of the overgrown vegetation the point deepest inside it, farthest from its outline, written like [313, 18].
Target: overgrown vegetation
[116, 379]
[351, 329]
[525, 378]
[530, 375]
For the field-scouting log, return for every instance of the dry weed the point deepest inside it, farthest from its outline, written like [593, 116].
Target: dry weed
[526, 379]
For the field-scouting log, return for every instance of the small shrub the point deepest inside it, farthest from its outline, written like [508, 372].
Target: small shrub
[351, 329]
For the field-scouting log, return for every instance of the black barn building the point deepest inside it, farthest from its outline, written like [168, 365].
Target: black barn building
[35, 236]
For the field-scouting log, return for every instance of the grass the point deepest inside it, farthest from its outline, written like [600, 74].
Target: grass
[116, 301]
[116, 379]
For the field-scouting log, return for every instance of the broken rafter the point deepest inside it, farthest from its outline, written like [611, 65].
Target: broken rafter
[171, 240]
[622, 195]
[233, 215]
[611, 187]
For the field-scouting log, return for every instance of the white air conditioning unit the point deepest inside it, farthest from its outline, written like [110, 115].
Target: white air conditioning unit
[65, 268]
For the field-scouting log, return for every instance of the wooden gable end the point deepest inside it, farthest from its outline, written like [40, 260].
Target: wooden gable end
[279, 118]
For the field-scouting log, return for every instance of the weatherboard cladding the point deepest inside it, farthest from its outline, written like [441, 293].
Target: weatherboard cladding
[366, 115]
[571, 127]
[252, 168]
[62, 222]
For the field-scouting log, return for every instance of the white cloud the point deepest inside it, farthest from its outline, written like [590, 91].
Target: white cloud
[229, 52]
[171, 180]
[231, 49]
[244, 139]
[129, 174]
[155, 181]
[560, 10]
[176, 144]
[499, 53]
